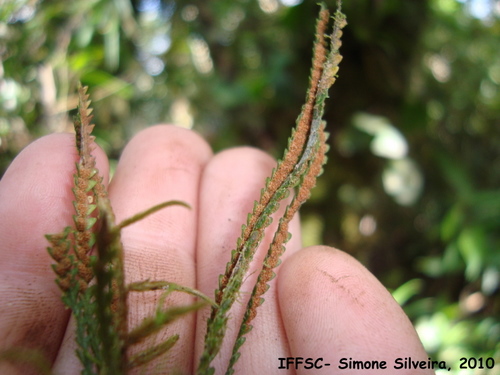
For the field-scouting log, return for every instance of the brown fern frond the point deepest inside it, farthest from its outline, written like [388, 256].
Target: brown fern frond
[61, 246]
[306, 170]
[292, 154]
[299, 167]
[100, 311]
[299, 138]
[276, 249]
[88, 186]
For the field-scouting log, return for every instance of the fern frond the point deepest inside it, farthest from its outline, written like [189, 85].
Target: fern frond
[314, 157]
[87, 188]
[301, 164]
[71, 249]
[101, 310]
[148, 355]
[111, 295]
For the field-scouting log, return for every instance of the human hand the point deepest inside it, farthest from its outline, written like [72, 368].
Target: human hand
[322, 304]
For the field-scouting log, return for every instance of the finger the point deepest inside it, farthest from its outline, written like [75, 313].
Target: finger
[36, 200]
[231, 182]
[161, 163]
[334, 308]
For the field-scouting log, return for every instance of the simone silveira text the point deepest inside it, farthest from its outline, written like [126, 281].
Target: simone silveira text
[405, 363]
[398, 364]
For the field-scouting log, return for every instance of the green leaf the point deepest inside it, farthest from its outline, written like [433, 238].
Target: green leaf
[408, 290]
[472, 246]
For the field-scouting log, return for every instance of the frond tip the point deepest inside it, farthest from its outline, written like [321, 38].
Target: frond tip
[83, 126]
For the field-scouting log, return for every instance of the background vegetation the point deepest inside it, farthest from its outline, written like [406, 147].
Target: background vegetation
[412, 184]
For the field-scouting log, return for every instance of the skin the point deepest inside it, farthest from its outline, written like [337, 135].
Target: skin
[323, 303]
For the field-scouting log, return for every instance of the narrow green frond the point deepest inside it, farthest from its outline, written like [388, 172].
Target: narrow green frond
[149, 354]
[149, 211]
[144, 286]
[155, 323]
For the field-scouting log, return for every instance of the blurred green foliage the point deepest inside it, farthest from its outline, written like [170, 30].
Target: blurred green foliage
[412, 185]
